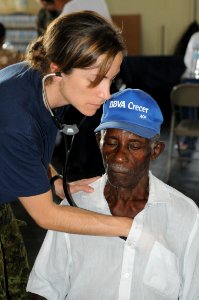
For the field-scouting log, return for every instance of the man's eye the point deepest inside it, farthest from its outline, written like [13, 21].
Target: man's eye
[134, 146]
[110, 143]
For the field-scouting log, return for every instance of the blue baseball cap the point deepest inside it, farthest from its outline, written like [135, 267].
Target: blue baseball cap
[132, 110]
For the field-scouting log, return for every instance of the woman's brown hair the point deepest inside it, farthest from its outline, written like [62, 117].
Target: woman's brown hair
[76, 41]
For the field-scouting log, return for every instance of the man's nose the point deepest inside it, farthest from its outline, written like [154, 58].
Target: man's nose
[120, 155]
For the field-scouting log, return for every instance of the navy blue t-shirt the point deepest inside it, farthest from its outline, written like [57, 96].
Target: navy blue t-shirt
[27, 134]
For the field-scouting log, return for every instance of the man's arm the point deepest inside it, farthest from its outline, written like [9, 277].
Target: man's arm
[50, 275]
[68, 219]
[190, 286]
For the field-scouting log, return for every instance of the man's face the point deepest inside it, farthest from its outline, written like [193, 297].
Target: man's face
[126, 157]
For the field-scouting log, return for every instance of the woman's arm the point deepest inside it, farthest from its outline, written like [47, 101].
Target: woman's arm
[68, 219]
[76, 186]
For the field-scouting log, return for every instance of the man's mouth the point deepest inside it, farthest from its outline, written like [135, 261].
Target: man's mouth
[118, 169]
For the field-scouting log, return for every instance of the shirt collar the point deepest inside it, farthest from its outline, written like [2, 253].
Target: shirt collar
[158, 193]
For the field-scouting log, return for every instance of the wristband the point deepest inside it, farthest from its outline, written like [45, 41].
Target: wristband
[57, 176]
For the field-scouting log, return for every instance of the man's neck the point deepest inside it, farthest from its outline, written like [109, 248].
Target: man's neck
[126, 202]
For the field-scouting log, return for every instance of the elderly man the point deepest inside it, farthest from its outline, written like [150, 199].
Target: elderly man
[160, 258]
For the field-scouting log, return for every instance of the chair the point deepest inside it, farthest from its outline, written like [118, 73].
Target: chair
[183, 95]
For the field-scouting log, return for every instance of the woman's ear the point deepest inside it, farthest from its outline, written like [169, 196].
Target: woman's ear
[54, 68]
[157, 150]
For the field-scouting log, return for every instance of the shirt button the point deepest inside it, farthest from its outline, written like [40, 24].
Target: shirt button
[126, 275]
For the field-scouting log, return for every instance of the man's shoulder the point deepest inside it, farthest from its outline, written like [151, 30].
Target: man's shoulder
[173, 197]
[93, 201]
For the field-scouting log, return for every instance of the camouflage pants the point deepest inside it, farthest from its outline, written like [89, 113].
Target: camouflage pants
[14, 269]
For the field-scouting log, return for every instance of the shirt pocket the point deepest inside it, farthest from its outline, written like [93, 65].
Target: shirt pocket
[161, 273]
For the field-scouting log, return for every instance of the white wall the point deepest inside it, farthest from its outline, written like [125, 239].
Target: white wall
[171, 16]
[12, 6]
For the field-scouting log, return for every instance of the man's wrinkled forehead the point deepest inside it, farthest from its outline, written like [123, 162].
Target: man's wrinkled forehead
[118, 131]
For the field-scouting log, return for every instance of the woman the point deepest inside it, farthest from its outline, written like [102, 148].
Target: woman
[83, 51]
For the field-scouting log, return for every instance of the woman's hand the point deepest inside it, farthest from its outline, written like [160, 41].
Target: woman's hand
[82, 185]
[76, 186]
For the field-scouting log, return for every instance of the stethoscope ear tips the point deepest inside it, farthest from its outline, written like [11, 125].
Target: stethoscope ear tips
[58, 74]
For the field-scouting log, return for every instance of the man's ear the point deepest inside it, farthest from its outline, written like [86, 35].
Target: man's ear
[98, 138]
[157, 150]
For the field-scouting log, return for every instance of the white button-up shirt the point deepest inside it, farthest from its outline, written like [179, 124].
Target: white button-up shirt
[158, 261]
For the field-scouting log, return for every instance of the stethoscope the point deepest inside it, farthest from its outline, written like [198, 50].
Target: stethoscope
[65, 130]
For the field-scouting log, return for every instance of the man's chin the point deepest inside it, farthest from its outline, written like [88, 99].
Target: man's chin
[117, 182]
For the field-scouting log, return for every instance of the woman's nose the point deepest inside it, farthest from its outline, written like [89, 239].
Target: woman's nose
[104, 91]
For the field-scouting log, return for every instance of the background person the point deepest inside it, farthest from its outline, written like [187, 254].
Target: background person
[44, 17]
[190, 75]
[86, 67]
[7, 56]
[193, 44]
[64, 7]
[99, 6]
[159, 259]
